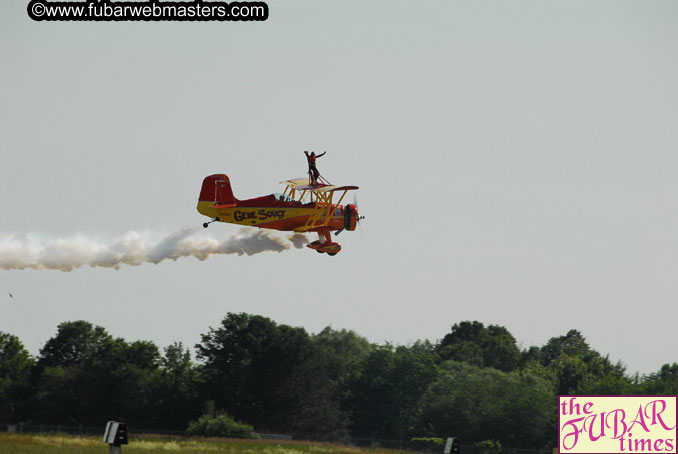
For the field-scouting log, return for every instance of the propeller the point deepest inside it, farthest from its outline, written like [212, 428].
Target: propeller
[360, 227]
[347, 218]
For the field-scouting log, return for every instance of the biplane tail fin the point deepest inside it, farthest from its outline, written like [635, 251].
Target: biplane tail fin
[217, 188]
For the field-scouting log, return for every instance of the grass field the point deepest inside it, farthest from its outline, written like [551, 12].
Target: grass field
[74, 444]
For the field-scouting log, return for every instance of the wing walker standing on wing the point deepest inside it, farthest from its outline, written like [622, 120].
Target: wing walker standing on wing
[313, 174]
[306, 205]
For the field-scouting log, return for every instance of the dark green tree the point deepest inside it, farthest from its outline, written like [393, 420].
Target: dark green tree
[86, 376]
[475, 344]
[386, 389]
[515, 408]
[15, 370]
[344, 349]
[527, 356]
[665, 381]
[73, 343]
[176, 389]
[272, 376]
[581, 370]
[572, 344]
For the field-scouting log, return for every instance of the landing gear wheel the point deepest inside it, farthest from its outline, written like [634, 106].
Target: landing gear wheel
[206, 224]
[332, 253]
[319, 252]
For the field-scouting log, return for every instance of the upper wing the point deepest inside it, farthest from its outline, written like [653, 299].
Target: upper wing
[325, 188]
[293, 183]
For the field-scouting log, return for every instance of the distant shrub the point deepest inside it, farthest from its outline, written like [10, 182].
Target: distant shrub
[430, 444]
[489, 446]
[220, 425]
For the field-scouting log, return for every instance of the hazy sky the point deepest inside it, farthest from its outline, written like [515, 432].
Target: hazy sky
[516, 162]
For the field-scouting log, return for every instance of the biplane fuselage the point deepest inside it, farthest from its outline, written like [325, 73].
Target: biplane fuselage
[301, 208]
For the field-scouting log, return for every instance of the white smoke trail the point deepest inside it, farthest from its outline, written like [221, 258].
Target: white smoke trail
[298, 239]
[133, 248]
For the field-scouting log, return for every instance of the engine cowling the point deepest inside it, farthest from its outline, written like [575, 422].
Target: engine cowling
[350, 217]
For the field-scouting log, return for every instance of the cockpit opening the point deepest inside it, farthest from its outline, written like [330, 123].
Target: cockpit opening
[282, 197]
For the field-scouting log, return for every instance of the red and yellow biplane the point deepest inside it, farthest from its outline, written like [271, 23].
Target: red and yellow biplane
[302, 207]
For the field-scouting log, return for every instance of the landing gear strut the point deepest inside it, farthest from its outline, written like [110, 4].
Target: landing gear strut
[206, 224]
[324, 244]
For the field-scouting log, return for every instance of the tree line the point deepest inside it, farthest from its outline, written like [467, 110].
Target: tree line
[475, 383]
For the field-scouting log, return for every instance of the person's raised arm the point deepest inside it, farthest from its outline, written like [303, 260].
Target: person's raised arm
[321, 154]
